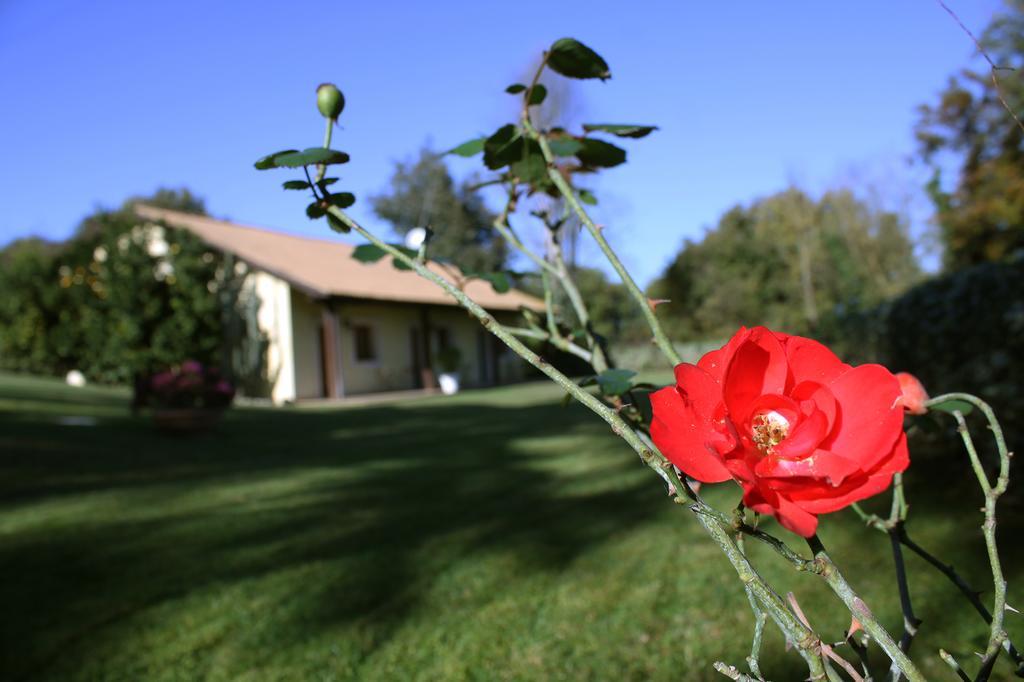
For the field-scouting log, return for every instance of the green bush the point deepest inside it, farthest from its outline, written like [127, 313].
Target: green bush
[958, 332]
[124, 299]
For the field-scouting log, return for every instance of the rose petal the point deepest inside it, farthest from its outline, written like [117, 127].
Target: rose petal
[717, 361]
[798, 520]
[811, 361]
[820, 395]
[788, 514]
[821, 464]
[819, 499]
[870, 417]
[758, 367]
[804, 438]
[683, 427]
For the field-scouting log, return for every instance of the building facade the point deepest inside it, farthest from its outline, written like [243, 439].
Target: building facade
[337, 327]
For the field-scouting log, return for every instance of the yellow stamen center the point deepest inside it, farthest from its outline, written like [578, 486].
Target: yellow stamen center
[769, 429]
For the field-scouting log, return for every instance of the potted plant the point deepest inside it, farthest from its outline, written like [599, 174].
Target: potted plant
[447, 361]
[189, 397]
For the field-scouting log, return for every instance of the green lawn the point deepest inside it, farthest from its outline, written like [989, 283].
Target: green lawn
[494, 535]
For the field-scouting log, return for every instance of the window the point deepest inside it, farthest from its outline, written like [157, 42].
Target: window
[365, 348]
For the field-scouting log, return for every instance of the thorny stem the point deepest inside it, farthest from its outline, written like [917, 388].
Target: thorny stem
[861, 651]
[321, 170]
[660, 338]
[565, 278]
[528, 95]
[557, 341]
[969, 593]
[894, 526]
[549, 304]
[951, 662]
[503, 227]
[910, 621]
[799, 563]
[733, 673]
[897, 517]
[714, 522]
[558, 270]
[759, 620]
[828, 570]
[997, 635]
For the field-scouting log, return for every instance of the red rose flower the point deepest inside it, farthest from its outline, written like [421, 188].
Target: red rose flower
[802, 432]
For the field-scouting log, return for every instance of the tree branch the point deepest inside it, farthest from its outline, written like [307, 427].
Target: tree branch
[992, 65]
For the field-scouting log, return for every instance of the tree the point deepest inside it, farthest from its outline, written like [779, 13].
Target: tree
[423, 194]
[136, 297]
[27, 308]
[121, 299]
[981, 216]
[785, 261]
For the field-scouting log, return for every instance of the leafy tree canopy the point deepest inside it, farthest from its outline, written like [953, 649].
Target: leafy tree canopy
[423, 194]
[119, 298]
[785, 261]
[980, 214]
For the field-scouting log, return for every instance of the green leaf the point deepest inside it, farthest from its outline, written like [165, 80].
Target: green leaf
[572, 58]
[537, 95]
[325, 182]
[951, 406]
[337, 225]
[620, 129]
[587, 197]
[601, 154]
[469, 148]
[371, 253]
[505, 146]
[315, 210]
[515, 88]
[615, 381]
[368, 253]
[564, 146]
[531, 168]
[270, 160]
[295, 184]
[341, 199]
[309, 157]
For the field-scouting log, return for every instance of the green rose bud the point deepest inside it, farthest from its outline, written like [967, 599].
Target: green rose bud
[330, 101]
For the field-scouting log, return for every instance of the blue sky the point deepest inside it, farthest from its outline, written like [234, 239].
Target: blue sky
[103, 100]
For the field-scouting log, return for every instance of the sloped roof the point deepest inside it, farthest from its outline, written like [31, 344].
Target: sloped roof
[324, 268]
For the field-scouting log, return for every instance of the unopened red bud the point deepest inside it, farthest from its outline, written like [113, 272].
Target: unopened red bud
[330, 101]
[914, 396]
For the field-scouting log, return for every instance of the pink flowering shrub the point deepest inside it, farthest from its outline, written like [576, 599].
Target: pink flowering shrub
[191, 385]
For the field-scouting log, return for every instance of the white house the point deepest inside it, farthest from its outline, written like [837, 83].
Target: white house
[338, 327]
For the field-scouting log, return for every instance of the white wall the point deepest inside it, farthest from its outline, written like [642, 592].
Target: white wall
[275, 319]
[306, 318]
[292, 323]
[391, 370]
[392, 324]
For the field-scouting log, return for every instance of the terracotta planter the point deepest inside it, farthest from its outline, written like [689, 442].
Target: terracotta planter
[186, 419]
